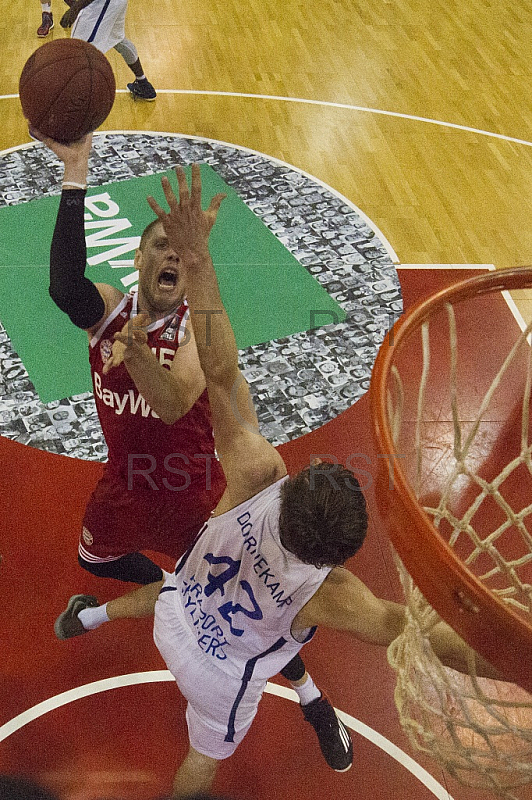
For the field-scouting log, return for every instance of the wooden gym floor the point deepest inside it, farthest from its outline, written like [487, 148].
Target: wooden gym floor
[419, 114]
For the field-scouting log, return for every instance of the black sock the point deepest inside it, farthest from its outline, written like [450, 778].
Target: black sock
[132, 568]
[294, 670]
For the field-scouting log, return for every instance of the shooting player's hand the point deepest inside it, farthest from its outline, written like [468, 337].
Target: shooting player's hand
[65, 152]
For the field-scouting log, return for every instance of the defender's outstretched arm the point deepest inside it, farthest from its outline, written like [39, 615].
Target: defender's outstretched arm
[250, 463]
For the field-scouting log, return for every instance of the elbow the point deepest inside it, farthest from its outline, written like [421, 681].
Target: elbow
[172, 413]
[227, 378]
[169, 418]
[57, 296]
[62, 299]
[169, 414]
[393, 623]
[85, 307]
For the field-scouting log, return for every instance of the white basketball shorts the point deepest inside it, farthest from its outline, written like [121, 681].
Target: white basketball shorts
[220, 708]
[102, 23]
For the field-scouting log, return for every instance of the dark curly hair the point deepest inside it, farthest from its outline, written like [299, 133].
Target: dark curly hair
[323, 518]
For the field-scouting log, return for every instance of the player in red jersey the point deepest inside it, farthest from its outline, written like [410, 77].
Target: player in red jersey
[162, 476]
[161, 480]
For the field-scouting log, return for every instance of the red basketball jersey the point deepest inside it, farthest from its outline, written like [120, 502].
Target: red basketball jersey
[144, 452]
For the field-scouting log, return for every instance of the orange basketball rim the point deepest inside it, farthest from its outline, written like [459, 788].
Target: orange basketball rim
[450, 399]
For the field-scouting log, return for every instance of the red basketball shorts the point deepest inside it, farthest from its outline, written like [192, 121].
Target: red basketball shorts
[118, 521]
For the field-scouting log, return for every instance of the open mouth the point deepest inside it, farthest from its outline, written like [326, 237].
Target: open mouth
[167, 279]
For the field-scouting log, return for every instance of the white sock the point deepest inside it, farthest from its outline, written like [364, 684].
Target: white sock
[307, 692]
[92, 618]
[47, 7]
[166, 574]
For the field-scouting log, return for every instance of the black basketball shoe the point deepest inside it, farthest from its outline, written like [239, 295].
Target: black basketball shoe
[333, 736]
[142, 89]
[46, 25]
[67, 624]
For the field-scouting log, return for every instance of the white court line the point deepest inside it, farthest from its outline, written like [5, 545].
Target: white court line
[515, 311]
[379, 741]
[490, 267]
[387, 246]
[163, 675]
[87, 690]
[327, 104]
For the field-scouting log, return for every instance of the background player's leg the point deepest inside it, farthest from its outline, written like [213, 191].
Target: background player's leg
[132, 568]
[195, 775]
[115, 527]
[47, 20]
[141, 87]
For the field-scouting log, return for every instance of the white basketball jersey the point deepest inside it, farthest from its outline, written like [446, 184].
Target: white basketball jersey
[238, 590]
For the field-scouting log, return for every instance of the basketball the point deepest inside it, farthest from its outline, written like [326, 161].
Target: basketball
[66, 89]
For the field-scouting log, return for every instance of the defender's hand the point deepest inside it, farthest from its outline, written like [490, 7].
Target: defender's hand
[186, 224]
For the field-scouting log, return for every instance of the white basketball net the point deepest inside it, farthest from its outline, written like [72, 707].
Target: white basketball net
[477, 729]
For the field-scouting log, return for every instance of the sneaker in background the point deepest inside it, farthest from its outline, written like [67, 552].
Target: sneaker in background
[46, 25]
[142, 89]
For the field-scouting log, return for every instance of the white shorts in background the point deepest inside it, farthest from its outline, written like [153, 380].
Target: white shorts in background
[102, 23]
[219, 705]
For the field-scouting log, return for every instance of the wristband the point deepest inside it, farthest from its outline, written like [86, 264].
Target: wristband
[74, 185]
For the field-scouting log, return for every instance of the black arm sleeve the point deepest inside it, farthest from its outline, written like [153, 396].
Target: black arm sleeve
[70, 290]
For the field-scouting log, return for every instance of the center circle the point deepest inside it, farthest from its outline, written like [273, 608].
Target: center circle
[298, 382]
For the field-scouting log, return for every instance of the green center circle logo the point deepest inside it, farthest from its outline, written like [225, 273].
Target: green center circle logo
[308, 281]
